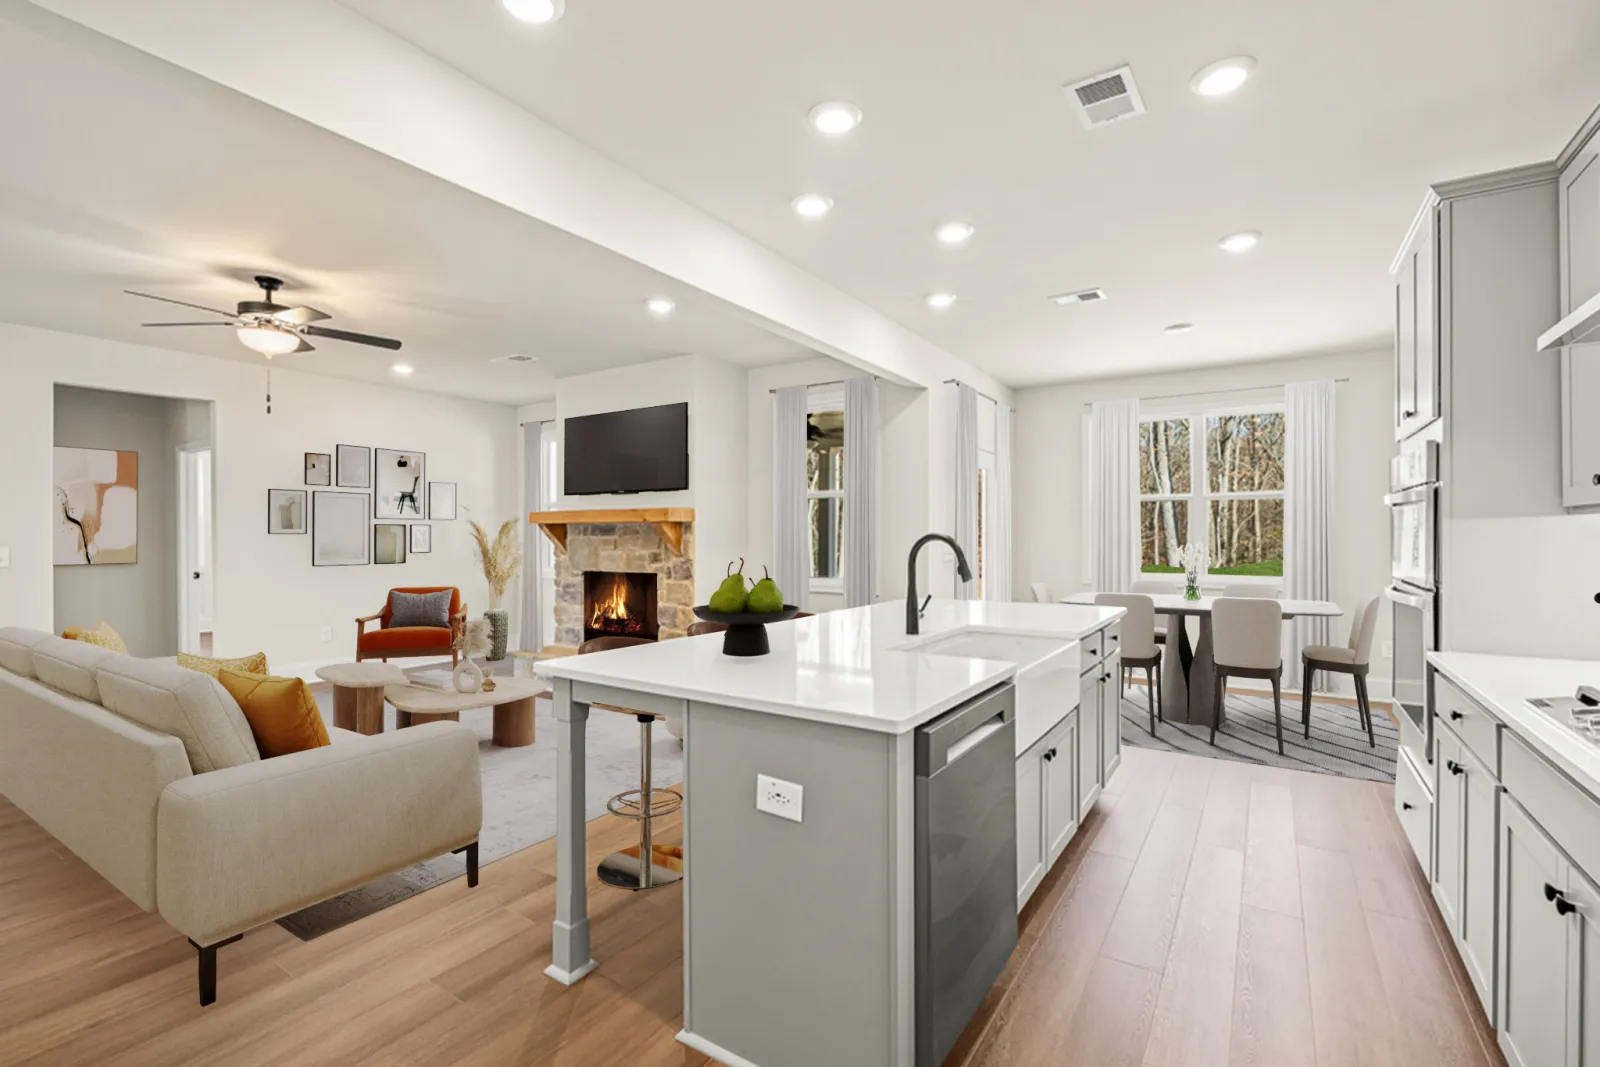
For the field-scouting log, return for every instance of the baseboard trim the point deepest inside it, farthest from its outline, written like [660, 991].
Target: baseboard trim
[715, 1051]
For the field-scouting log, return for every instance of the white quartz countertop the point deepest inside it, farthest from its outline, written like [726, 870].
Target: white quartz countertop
[1503, 684]
[840, 667]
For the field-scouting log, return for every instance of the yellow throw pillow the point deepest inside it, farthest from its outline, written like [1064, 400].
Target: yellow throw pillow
[256, 664]
[281, 711]
[102, 635]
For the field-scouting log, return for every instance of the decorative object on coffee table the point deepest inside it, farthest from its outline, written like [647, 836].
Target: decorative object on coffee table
[358, 693]
[319, 468]
[747, 632]
[473, 640]
[500, 560]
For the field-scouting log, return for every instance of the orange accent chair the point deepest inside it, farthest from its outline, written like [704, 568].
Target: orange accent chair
[398, 642]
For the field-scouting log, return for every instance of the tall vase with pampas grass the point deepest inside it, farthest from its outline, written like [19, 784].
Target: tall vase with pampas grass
[500, 560]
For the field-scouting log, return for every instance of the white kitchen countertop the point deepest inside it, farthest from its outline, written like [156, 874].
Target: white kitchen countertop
[1503, 684]
[839, 667]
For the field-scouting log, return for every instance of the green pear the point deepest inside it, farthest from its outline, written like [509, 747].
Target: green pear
[766, 598]
[730, 597]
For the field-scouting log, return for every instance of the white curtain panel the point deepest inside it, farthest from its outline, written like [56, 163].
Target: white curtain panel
[860, 491]
[1308, 509]
[791, 532]
[529, 638]
[997, 576]
[1113, 502]
[966, 533]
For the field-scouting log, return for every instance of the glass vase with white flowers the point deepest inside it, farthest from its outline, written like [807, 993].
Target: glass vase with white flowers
[1192, 558]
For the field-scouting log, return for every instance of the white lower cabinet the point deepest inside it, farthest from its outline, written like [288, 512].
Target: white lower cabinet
[1030, 823]
[1413, 804]
[1110, 718]
[1449, 817]
[1533, 946]
[1466, 809]
[1047, 804]
[1089, 729]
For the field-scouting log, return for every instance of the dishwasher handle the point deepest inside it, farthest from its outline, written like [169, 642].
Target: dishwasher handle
[959, 732]
[974, 739]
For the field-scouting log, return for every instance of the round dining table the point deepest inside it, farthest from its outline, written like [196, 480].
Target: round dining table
[1188, 679]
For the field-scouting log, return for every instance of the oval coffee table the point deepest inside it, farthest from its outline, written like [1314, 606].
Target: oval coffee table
[358, 693]
[512, 701]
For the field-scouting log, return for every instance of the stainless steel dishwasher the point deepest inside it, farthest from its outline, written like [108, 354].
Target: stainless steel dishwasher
[966, 856]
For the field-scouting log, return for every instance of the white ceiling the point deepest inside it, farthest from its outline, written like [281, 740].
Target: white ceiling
[1355, 107]
[130, 174]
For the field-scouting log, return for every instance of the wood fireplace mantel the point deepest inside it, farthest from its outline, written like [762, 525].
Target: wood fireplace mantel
[668, 522]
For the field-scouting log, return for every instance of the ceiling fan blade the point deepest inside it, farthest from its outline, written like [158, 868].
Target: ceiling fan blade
[180, 303]
[346, 335]
[301, 316]
[186, 324]
[304, 347]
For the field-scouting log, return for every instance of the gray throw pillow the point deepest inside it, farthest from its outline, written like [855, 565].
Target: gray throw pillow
[419, 609]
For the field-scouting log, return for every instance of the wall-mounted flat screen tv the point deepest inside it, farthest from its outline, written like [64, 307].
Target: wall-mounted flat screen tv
[643, 450]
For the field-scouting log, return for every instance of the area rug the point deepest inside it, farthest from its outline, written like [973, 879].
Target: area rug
[519, 804]
[1338, 744]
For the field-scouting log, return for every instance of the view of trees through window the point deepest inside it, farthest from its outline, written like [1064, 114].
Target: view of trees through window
[1235, 508]
[825, 488]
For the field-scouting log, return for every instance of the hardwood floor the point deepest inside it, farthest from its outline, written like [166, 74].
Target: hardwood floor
[1209, 912]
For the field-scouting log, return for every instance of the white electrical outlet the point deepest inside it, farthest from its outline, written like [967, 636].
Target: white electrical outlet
[1388, 650]
[778, 797]
[326, 633]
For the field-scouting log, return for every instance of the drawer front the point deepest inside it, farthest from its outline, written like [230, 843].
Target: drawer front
[1476, 728]
[1093, 647]
[1414, 742]
[1565, 812]
[1413, 803]
[1112, 642]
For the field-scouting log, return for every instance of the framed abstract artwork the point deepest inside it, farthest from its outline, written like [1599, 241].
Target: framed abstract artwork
[96, 508]
[442, 500]
[389, 542]
[286, 511]
[421, 537]
[353, 466]
[319, 468]
[398, 479]
[339, 524]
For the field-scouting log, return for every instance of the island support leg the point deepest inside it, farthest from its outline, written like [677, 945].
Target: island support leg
[569, 934]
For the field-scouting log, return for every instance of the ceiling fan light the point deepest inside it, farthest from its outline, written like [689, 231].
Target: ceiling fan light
[268, 341]
[535, 11]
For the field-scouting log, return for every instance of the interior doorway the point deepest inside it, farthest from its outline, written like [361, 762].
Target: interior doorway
[197, 589]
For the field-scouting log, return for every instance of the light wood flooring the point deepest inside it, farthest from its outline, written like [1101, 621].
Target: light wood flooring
[1208, 913]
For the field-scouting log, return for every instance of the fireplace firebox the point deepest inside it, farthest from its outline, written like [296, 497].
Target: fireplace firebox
[619, 604]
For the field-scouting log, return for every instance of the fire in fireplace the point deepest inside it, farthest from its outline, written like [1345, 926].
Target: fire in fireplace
[617, 604]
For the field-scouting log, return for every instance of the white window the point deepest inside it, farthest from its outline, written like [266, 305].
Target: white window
[1213, 478]
[825, 487]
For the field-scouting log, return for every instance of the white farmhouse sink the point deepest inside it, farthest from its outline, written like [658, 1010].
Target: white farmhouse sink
[1047, 671]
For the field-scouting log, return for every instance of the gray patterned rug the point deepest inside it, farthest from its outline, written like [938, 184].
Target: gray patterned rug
[519, 804]
[1338, 744]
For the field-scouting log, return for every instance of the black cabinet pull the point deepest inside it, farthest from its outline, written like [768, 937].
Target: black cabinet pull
[1455, 768]
[1456, 716]
[1551, 892]
[1406, 805]
[1597, 479]
[1564, 906]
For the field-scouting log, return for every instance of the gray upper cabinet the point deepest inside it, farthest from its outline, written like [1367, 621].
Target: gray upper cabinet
[1580, 229]
[1416, 354]
[1579, 205]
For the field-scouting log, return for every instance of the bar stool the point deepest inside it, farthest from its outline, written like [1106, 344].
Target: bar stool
[626, 869]
[1247, 642]
[1353, 660]
[1139, 648]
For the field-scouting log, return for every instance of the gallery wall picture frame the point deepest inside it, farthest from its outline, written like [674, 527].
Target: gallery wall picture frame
[389, 542]
[319, 468]
[96, 506]
[339, 522]
[353, 466]
[421, 537]
[442, 500]
[399, 477]
[286, 512]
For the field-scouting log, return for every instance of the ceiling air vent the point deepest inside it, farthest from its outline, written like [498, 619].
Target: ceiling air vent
[1083, 296]
[1105, 98]
[515, 357]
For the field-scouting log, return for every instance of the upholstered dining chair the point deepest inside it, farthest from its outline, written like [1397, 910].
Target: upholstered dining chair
[644, 805]
[1041, 592]
[1250, 591]
[403, 637]
[1246, 642]
[1148, 588]
[1139, 648]
[1352, 659]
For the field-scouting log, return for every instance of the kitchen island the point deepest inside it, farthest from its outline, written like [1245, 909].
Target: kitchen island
[800, 933]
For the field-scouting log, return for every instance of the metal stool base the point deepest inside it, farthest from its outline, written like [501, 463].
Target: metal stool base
[622, 869]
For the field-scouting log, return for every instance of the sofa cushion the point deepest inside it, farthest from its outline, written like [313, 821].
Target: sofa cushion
[191, 706]
[282, 713]
[256, 664]
[102, 635]
[407, 639]
[16, 649]
[420, 609]
[70, 665]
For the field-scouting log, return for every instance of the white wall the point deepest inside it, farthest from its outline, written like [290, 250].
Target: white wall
[1048, 465]
[268, 596]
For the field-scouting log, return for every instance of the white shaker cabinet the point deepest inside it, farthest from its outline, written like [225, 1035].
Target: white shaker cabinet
[1030, 823]
[1110, 717]
[1060, 761]
[1580, 228]
[1533, 945]
[1579, 205]
[1467, 814]
[1416, 355]
[1089, 728]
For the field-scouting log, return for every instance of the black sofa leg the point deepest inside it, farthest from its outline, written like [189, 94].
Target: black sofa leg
[208, 969]
[472, 863]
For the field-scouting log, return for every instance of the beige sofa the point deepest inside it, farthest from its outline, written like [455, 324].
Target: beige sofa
[148, 772]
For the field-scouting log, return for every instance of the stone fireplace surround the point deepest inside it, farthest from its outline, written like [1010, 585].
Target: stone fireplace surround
[627, 547]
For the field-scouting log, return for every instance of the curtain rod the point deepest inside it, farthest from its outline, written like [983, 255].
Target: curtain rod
[1214, 392]
[980, 392]
[813, 385]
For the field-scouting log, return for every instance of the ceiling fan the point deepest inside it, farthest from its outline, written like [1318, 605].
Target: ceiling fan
[271, 328]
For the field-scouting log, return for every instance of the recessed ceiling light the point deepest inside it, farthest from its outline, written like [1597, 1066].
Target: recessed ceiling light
[940, 301]
[812, 205]
[954, 233]
[1242, 241]
[1223, 76]
[835, 117]
[535, 10]
[660, 305]
[403, 369]
[1179, 327]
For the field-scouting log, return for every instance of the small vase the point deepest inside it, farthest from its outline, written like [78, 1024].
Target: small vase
[499, 632]
[468, 676]
[1191, 586]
